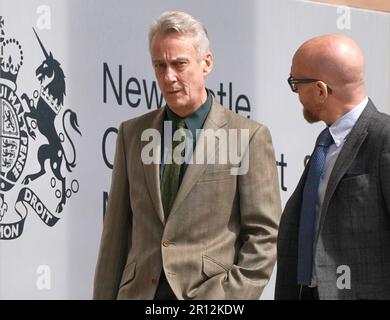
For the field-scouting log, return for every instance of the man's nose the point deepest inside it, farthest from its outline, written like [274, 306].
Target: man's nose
[170, 75]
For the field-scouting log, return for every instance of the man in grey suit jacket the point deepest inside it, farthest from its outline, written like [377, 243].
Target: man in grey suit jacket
[349, 248]
[193, 230]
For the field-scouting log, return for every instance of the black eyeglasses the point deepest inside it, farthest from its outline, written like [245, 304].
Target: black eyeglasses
[293, 83]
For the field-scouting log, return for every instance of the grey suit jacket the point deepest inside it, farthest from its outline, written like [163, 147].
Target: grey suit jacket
[219, 241]
[354, 226]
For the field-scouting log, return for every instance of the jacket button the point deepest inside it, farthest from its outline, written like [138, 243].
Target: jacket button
[166, 243]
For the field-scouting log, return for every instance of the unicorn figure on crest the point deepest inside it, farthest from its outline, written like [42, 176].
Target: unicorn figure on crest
[49, 104]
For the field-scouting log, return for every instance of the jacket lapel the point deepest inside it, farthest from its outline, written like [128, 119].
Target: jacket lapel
[215, 120]
[346, 157]
[152, 171]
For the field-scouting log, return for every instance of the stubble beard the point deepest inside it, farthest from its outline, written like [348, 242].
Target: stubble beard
[309, 116]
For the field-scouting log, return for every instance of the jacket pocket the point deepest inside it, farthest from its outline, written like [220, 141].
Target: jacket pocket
[128, 274]
[352, 184]
[211, 267]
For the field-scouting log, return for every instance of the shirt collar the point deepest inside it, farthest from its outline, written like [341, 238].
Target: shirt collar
[342, 127]
[194, 120]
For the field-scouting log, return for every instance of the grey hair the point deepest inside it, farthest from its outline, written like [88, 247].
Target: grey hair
[184, 23]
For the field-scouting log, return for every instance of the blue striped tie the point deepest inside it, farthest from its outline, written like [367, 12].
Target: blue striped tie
[308, 210]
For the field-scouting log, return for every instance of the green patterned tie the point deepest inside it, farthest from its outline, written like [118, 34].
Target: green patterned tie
[171, 175]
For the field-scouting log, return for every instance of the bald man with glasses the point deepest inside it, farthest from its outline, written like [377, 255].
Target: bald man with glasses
[334, 235]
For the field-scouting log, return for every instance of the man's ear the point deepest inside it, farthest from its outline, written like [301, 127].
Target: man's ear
[207, 63]
[322, 91]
